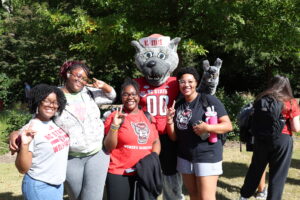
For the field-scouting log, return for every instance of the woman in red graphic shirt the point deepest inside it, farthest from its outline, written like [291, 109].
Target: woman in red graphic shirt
[130, 136]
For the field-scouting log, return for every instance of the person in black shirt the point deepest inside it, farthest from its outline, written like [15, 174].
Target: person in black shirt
[199, 161]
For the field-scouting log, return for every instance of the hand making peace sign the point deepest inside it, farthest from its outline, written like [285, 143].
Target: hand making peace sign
[171, 113]
[119, 116]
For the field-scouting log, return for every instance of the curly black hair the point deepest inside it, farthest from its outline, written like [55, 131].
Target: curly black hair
[40, 92]
[128, 81]
[188, 70]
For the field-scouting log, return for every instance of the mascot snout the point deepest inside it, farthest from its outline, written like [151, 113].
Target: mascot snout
[156, 57]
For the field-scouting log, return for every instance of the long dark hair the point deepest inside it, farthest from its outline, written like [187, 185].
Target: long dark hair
[279, 88]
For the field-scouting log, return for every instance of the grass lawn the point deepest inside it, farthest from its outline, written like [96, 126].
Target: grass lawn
[235, 165]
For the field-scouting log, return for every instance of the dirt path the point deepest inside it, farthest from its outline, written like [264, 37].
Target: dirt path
[7, 158]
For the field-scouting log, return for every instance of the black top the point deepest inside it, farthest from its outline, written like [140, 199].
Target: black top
[149, 177]
[190, 145]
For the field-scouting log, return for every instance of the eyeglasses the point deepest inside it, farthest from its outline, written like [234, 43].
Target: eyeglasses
[128, 95]
[182, 82]
[48, 103]
[79, 77]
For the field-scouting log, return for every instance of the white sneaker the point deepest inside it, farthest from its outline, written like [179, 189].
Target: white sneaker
[262, 195]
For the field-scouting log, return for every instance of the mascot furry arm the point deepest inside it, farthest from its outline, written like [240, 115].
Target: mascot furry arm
[210, 77]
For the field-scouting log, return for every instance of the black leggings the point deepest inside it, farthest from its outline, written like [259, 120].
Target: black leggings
[278, 154]
[120, 187]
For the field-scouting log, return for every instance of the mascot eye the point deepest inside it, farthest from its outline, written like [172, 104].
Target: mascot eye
[161, 56]
[148, 54]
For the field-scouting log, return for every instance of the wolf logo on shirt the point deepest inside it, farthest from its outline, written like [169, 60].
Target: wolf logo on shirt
[183, 117]
[141, 129]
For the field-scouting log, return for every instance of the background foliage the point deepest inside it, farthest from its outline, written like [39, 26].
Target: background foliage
[255, 39]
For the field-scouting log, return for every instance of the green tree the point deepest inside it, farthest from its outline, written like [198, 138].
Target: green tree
[255, 38]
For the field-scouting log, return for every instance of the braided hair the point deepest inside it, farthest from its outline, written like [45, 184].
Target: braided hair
[69, 66]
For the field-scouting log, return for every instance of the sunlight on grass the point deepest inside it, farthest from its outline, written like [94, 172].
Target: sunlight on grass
[235, 166]
[10, 182]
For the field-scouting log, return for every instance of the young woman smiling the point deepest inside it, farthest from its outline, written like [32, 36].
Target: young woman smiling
[199, 161]
[130, 136]
[43, 146]
[87, 162]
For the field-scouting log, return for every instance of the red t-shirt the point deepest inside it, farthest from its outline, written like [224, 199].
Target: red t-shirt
[154, 100]
[135, 138]
[291, 110]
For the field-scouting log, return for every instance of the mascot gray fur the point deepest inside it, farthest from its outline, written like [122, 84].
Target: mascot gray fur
[156, 62]
[156, 57]
[210, 77]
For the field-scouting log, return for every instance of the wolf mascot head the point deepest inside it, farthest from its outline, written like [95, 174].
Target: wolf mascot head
[156, 57]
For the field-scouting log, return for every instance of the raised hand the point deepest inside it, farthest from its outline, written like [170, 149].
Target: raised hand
[171, 113]
[97, 84]
[119, 117]
[27, 134]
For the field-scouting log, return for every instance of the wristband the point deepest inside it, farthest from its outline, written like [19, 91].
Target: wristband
[114, 127]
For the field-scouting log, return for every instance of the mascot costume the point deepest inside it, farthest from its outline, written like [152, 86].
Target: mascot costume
[156, 57]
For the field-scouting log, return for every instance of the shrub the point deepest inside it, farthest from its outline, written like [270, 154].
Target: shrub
[233, 104]
[5, 84]
[14, 120]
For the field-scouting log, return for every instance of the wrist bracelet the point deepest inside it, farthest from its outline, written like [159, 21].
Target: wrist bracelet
[114, 127]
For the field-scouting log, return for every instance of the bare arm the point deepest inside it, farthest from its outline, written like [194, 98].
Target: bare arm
[295, 124]
[111, 140]
[103, 93]
[13, 147]
[222, 127]
[170, 124]
[24, 159]
[156, 146]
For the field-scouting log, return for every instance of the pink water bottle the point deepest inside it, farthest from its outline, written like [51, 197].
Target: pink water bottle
[211, 118]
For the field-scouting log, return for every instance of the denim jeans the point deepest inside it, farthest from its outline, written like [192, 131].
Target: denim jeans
[37, 190]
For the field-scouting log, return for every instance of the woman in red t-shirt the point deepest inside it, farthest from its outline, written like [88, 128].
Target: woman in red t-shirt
[130, 136]
[277, 152]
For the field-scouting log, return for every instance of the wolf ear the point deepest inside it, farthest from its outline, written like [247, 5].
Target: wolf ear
[205, 65]
[218, 63]
[174, 43]
[138, 47]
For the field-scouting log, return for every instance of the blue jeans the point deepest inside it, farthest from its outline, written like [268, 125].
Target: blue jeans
[37, 190]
